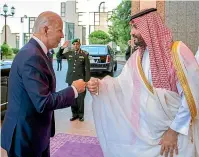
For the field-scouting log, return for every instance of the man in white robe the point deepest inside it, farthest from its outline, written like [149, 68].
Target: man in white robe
[151, 108]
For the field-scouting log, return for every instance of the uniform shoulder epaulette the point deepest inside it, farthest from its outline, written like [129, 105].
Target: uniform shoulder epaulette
[86, 53]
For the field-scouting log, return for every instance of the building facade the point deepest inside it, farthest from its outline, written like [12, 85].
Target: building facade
[69, 15]
[182, 17]
[12, 38]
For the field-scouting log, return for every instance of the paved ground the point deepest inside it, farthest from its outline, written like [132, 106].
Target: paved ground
[63, 115]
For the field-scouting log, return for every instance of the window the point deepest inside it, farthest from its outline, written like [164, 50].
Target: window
[31, 23]
[17, 40]
[81, 18]
[63, 9]
[96, 19]
[26, 37]
[69, 31]
[95, 50]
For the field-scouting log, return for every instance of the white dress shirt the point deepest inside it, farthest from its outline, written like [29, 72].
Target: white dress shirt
[182, 120]
[44, 48]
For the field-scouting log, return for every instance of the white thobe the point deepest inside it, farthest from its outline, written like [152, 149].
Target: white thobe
[130, 119]
[182, 120]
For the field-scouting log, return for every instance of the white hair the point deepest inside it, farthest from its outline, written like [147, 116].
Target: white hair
[44, 19]
[39, 23]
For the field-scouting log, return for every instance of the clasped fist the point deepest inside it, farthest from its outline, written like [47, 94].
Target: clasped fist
[80, 85]
[93, 86]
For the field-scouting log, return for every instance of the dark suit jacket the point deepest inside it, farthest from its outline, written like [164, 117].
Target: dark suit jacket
[128, 53]
[78, 65]
[29, 120]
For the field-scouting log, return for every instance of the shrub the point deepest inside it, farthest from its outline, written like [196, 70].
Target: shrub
[15, 50]
[6, 50]
[99, 37]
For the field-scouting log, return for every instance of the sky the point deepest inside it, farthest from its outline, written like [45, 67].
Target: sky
[34, 8]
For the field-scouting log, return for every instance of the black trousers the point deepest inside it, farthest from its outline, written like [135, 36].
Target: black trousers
[59, 65]
[78, 107]
[45, 153]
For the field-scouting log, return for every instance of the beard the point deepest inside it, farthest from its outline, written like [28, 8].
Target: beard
[139, 41]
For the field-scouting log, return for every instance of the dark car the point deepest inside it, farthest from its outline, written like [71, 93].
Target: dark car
[5, 70]
[102, 58]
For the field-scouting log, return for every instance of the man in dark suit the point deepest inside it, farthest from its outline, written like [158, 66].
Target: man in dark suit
[29, 120]
[78, 68]
[59, 63]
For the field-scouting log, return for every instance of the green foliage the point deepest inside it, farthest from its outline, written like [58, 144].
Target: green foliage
[6, 50]
[99, 37]
[10, 57]
[15, 50]
[120, 30]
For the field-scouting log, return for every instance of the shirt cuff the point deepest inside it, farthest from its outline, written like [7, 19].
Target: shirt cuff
[75, 91]
[181, 127]
[181, 123]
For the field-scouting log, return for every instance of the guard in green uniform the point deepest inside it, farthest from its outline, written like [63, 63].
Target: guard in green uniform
[78, 68]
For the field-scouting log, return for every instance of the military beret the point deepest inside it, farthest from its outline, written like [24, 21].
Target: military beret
[143, 13]
[75, 40]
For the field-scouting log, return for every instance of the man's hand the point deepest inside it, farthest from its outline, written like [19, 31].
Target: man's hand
[79, 85]
[131, 43]
[66, 44]
[93, 86]
[169, 143]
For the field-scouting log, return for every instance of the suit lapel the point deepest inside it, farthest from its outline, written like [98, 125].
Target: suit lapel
[50, 67]
[47, 61]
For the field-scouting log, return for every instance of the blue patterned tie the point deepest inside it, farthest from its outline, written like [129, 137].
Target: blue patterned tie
[49, 58]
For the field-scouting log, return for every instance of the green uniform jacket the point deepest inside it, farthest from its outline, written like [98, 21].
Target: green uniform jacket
[78, 65]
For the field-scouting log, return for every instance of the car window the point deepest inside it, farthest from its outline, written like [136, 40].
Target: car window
[5, 64]
[95, 50]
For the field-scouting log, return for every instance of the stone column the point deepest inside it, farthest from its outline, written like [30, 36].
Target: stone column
[137, 5]
[160, 5]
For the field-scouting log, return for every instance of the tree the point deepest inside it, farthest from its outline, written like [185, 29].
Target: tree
[120, 30]
[99, 37]
[6, 50]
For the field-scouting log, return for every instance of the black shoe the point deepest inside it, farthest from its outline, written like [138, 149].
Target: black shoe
[81, 119]
[73, 118]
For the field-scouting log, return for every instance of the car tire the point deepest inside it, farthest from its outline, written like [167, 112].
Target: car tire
[112, 72]
[115, 67]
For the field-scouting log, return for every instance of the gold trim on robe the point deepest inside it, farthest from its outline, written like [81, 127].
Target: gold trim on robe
[183, 80]
[146, 82]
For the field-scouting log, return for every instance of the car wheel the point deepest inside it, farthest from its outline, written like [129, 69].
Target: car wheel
[112, 72]
[115, 67]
